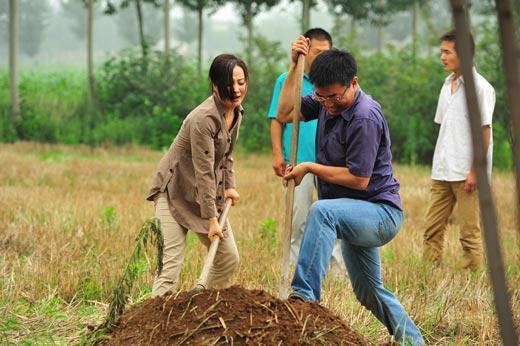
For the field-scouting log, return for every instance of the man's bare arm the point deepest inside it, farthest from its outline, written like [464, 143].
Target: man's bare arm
[276, 143]
[331, 174]
[287, 97]
[471, 179]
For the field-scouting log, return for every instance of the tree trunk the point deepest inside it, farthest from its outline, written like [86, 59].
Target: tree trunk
[200, 33]
[487, 208]
[415, 13]
[13, 58]
[90, 52]
[380, 29]
[380, 37]
[249, 24]
[353, 32]
[306, 15]
[142, 39]
[167, 27]
[467, 10]
[511, 63]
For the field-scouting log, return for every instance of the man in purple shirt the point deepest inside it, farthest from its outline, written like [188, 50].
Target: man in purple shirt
[359, 199]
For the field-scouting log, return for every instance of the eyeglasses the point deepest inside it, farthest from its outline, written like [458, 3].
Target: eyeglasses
[331, 98]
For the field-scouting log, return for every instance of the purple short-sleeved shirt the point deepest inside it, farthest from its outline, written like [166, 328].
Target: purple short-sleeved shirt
[358, 139]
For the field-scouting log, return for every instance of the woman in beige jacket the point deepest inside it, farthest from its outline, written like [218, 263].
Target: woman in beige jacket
[196, 175]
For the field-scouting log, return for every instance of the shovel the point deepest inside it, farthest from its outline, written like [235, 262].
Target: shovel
[203, 280]
[284, 286]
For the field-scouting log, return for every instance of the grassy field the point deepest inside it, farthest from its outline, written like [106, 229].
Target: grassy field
[69, 216]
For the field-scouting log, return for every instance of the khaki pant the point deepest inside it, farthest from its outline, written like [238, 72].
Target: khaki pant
[226, 258]
[444, 195]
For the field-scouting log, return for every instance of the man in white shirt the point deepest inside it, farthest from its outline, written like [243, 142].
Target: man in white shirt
[453, 174]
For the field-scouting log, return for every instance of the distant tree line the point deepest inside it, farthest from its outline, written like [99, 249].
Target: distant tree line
[142, 95]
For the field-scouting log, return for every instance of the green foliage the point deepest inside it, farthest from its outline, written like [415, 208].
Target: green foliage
[146, 105]
[268, 233]
[89, 289]
[49, 101]
[407, 90]
[199, 5]
[143, 100]
[254, 133]
[7, 130]
[109, 216]
[150, 233]
[359, 9]
[49, 306]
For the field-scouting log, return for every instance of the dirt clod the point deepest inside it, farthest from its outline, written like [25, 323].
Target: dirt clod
[232, 316]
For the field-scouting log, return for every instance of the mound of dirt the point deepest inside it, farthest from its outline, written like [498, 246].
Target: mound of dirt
[230, 316]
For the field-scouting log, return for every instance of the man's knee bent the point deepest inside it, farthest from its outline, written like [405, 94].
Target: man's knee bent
[319, 209]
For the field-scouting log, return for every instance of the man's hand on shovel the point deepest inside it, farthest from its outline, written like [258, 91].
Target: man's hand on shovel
[297, 173]
[300, 46]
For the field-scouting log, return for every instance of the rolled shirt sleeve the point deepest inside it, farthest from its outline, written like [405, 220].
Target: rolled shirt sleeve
[439, 113]
[273, 106]
[203, 155]
[310, 108]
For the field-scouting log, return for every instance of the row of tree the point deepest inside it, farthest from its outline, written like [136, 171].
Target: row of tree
[33, 20]
[142, 96]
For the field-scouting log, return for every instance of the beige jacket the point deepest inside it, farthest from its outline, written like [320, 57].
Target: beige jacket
[198, 167]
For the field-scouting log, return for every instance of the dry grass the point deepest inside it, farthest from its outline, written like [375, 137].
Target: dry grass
[69, 216]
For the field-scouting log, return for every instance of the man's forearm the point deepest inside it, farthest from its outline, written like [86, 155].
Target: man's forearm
[276, 137]
[286, 99]
[486, 136]
[337, 175]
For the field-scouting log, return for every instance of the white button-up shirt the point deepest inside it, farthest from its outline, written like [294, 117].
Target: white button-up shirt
[453, 156]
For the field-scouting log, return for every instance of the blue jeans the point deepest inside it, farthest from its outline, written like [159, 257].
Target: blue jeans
[362, 227]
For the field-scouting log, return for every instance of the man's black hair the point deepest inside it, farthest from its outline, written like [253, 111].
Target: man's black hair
[333, 66]
[451, 36]
[318, 34]
[221, 73]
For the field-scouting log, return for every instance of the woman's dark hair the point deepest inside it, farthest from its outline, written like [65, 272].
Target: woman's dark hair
[333, 66]
[221, 73]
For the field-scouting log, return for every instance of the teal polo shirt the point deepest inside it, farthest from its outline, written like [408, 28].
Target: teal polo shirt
[307, 133]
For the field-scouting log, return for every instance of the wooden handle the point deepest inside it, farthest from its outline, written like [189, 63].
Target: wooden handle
[284, 286]
[203, 280]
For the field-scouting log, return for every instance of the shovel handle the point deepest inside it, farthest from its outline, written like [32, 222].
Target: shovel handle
[283, 290]
[203, 280]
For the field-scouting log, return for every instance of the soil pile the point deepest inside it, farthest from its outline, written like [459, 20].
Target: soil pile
[231, 316]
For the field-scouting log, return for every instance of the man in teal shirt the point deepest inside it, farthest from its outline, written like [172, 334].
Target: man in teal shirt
[320, 40]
